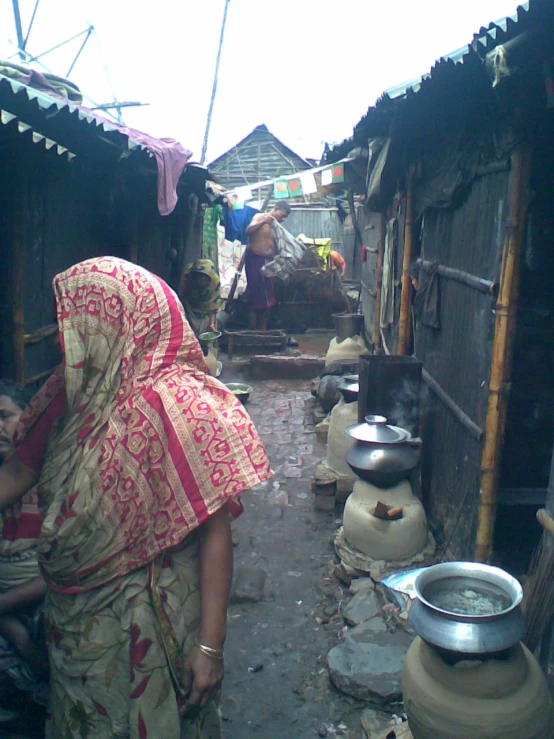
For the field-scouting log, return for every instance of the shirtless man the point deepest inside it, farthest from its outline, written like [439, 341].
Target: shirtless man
[261, 248]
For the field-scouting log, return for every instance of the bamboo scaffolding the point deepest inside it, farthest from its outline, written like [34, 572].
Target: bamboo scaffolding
[379, 277]
[504, 331]
[404, 322]
[458, 275]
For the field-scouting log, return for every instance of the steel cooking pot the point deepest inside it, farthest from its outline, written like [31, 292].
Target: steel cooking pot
[349, 388]
[443, 611]
[383, 455]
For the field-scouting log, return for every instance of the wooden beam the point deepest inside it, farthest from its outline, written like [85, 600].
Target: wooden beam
[41, 334]
[404, 321]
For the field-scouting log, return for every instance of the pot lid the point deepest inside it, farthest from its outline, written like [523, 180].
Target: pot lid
[375, 430]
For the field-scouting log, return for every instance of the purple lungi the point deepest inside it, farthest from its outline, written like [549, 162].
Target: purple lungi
[260, 293]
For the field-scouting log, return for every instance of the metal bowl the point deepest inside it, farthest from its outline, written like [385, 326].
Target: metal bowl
[456, 575]
[240, 390]
[208, 336]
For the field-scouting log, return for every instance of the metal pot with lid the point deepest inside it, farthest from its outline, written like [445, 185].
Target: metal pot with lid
[383, 455]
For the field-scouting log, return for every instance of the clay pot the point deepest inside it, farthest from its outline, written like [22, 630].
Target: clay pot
[496, 699]
[390, 540]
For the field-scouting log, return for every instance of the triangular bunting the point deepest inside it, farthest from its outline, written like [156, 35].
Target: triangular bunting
[49, 143]
[23, 127]
[61, 149]
[6, 117]
[37, 137]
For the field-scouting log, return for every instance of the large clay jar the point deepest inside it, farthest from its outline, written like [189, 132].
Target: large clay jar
[390, 540]
[343, 415]
[495, 699]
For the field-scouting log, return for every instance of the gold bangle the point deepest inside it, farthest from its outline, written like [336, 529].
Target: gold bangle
[209, 651]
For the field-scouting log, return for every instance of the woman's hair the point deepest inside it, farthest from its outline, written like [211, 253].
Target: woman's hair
[15, 393]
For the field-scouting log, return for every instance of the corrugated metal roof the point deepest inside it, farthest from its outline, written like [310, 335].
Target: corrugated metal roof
[47, 102]
[484, 41]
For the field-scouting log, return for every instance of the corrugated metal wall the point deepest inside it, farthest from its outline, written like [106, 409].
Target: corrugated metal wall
[319, 224]
[61, 213]
[458, 355]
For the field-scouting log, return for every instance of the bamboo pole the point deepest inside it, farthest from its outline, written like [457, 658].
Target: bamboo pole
[18, 301]
[379, 277]
[404, 323]
[504, 332]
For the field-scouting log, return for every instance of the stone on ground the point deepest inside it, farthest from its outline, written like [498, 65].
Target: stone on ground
[369, 671]
[362, 607]
[249, 585]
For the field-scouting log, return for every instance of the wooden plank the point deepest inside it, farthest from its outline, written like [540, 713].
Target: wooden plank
[41, 334]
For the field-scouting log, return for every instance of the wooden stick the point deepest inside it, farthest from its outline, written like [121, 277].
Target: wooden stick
[41, 334]
[545, 521]
[485, 286]
[40, 376]
[18, 304]
[404, 322]
[504, 334]
[452, 406]
[379, 276]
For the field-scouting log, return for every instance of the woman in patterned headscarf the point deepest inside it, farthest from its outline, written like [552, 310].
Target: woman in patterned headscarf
[202, 295]
[138, 457]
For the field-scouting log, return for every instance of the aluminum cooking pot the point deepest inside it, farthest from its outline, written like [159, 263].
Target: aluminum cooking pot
[348, 324]
[349, 388]
[383, 455]
[463, 632]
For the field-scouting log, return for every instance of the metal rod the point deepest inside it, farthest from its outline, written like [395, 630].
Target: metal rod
[18, 28]
[30, 25]
[404, 321]
[214, 88]
[78, 54]
[465, 278]
[58, 46]
[504, 333]
[110, 106]
[452, 406]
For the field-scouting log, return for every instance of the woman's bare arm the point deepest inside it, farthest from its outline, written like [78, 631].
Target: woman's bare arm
[15, 480]
[29, 594]
[203, 674]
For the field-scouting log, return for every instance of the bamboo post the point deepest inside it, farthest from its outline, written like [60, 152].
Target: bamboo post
[406, 297]
[379, 277]
[18, 301]
[504, 332]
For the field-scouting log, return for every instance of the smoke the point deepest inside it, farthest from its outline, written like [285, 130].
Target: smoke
[406, 402]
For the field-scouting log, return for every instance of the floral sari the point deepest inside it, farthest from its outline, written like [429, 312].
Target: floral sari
[147, 448]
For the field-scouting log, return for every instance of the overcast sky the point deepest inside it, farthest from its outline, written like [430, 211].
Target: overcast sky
[308, 69]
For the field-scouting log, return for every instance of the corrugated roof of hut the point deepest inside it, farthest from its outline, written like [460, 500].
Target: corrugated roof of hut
[259, 156]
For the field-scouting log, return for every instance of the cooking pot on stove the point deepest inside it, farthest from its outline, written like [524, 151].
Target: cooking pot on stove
[382, 455]
[464, 607]
[349, 388]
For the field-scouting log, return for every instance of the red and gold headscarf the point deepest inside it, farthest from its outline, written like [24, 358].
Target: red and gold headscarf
[149, 445]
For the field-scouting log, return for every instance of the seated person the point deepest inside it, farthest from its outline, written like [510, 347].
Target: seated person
[23, 658]
[202, 295]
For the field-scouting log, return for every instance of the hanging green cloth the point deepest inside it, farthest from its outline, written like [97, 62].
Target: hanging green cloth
[212, 216]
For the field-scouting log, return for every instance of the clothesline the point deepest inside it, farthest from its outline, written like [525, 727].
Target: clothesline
[294, 176]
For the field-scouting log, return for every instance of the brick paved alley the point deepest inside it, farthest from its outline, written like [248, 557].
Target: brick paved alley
[276, 683]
